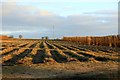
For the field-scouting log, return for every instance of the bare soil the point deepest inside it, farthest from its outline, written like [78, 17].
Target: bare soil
[37, 59]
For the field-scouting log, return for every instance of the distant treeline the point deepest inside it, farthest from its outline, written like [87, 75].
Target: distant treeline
[4, 37]
[112, 41]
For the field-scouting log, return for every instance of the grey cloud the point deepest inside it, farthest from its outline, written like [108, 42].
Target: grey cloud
[104, 12]
[39, 23]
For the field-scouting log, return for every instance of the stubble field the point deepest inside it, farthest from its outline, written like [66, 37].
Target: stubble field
[23, 58]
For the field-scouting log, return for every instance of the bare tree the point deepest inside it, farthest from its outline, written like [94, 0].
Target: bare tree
[42, 38]
[46, 37]
[20, 36]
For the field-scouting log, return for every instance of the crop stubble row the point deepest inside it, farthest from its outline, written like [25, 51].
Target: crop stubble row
[34, 52]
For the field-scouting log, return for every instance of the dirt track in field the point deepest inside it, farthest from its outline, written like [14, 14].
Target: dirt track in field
[55, 59]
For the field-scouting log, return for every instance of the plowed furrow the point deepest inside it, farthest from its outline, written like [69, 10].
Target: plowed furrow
[9, 49]
[41, 45]
[58, 57]
[18, 57]
[39, 57]
[80, 58]
[83, 49]
[60, 47]
[33, 45]
[22, 45]
[49, 46]
[10, 52]
[95, 57]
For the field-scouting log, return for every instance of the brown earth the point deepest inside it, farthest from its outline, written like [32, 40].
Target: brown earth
[37, 59]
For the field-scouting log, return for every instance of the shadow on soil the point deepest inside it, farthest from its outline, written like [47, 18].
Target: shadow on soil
[39, 57]
[15, 58]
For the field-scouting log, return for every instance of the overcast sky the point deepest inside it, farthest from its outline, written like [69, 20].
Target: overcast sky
[36, 18]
